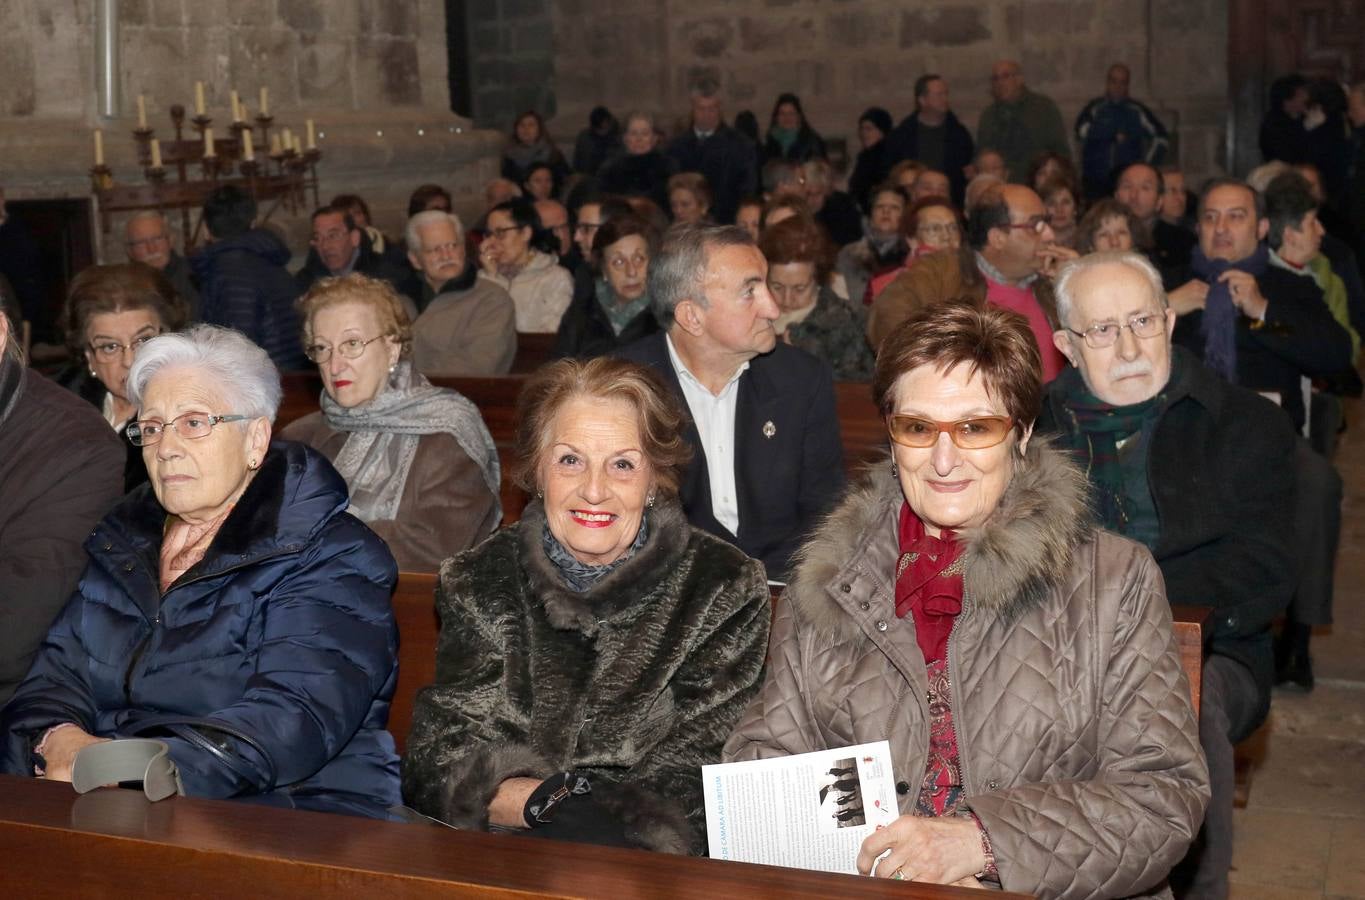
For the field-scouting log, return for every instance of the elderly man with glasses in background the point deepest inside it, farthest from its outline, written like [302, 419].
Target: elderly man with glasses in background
[1200, 471]
[147, 238]
[1008, 260]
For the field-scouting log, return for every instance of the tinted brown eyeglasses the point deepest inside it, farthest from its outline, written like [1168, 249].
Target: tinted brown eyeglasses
[976, 433]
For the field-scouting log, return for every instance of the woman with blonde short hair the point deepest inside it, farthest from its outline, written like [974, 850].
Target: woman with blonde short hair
[420, 464]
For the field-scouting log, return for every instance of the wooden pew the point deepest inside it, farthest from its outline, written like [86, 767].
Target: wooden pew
[414, 608]
[114, 843]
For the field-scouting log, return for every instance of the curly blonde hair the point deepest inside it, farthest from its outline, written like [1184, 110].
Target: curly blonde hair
[356, 288]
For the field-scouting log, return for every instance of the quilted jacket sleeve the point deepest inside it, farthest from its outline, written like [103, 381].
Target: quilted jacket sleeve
[1118, 833]
[467, 735]
[778, 722]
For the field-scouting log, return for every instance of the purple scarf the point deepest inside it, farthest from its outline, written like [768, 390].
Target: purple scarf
[1219, 324]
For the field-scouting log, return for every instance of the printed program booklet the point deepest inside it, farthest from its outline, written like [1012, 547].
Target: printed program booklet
[810, 811]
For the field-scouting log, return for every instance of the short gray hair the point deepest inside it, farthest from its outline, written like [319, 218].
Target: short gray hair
[679, 271]
[243, 373]
[412, 236]
[1071, 270]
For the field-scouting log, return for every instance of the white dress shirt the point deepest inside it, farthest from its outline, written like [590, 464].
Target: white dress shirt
[714, 415]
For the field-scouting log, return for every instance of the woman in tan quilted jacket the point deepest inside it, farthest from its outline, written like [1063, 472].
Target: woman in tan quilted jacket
[961, 605]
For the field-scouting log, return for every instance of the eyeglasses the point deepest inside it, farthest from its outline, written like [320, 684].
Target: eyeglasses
[968, 434]
[191, 425]
[499, 232]
[352, 349]
[941, 231]
[109, 351]
[1036, 224]
[1104, 334]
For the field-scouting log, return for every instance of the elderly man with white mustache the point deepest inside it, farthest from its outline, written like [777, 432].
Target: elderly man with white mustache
[1199, 470]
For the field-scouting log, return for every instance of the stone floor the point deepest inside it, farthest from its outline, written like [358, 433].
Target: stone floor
[1302, 833]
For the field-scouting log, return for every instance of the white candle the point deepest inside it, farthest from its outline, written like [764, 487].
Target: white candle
[141, 112]
[248, 151]
[156, 153]
[312, 135]
[99, 147]
[199, 98]
[236, 106]
[265, 101]
[209, 152]
[287, 139]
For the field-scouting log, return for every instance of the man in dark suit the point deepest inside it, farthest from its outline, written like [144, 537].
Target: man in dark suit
[727, 159]
[768, 459]
[933, 135]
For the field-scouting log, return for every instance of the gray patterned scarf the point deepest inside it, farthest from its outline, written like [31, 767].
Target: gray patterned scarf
[384, 433]
[580, 576]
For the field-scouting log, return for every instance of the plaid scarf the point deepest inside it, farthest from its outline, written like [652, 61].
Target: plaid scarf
[1096, 428]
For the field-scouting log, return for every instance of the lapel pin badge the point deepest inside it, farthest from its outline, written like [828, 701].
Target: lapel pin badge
[769, 429]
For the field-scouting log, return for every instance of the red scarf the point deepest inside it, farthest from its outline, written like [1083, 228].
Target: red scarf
[922, 589]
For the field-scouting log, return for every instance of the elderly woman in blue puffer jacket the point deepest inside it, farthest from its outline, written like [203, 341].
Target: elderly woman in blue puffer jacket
[231, 607]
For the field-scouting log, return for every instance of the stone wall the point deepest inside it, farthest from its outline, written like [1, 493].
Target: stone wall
[843, 57]
[511, 59]
[372, 73]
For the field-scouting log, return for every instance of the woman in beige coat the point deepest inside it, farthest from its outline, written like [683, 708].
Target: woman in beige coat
[421, 466]
[1021, 663]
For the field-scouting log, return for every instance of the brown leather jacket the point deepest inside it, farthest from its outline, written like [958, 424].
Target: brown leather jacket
[446, 507]
[934, 279]
[1079, 746]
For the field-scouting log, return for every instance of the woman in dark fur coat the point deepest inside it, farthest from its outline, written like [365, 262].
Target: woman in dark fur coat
[596, 654]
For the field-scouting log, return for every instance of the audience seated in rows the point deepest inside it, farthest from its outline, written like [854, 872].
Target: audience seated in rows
[612, 308]
[768, 461]
[147, 239]
[813, 318]
[933, 135]
[1009, 260]
[420, 465]
[597, 653]
[930, 226]
[1217, 520]
[468, 324]
[643, 170]
[167, 634]
[339, 246]
[709, 147]
[110, 313]
[243, 282]
[922, 617]
[518, 255]
[882, 248]
[530, 144]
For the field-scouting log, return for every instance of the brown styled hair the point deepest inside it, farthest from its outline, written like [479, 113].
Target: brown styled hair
[1105, 209]
[614, 229]
[356, 288]
[993, 341]
[910, 219]
[551, 386]
[118, 288]
[695, 183]
[799, 239]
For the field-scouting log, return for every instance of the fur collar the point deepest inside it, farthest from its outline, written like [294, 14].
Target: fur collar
[619, 590]
[1011, 560]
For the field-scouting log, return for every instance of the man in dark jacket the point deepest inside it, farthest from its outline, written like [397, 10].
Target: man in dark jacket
[1203, 474]
[1255, 324]
[1020, 124]
[61, 469]
[147, 239]
[933, 135]
[768, 458]
[243, 282]
[727, 159]
[1114, 131]
[1140, 188]
[340, 247]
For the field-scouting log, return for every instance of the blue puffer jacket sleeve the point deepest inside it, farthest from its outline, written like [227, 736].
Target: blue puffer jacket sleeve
[328, 648]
